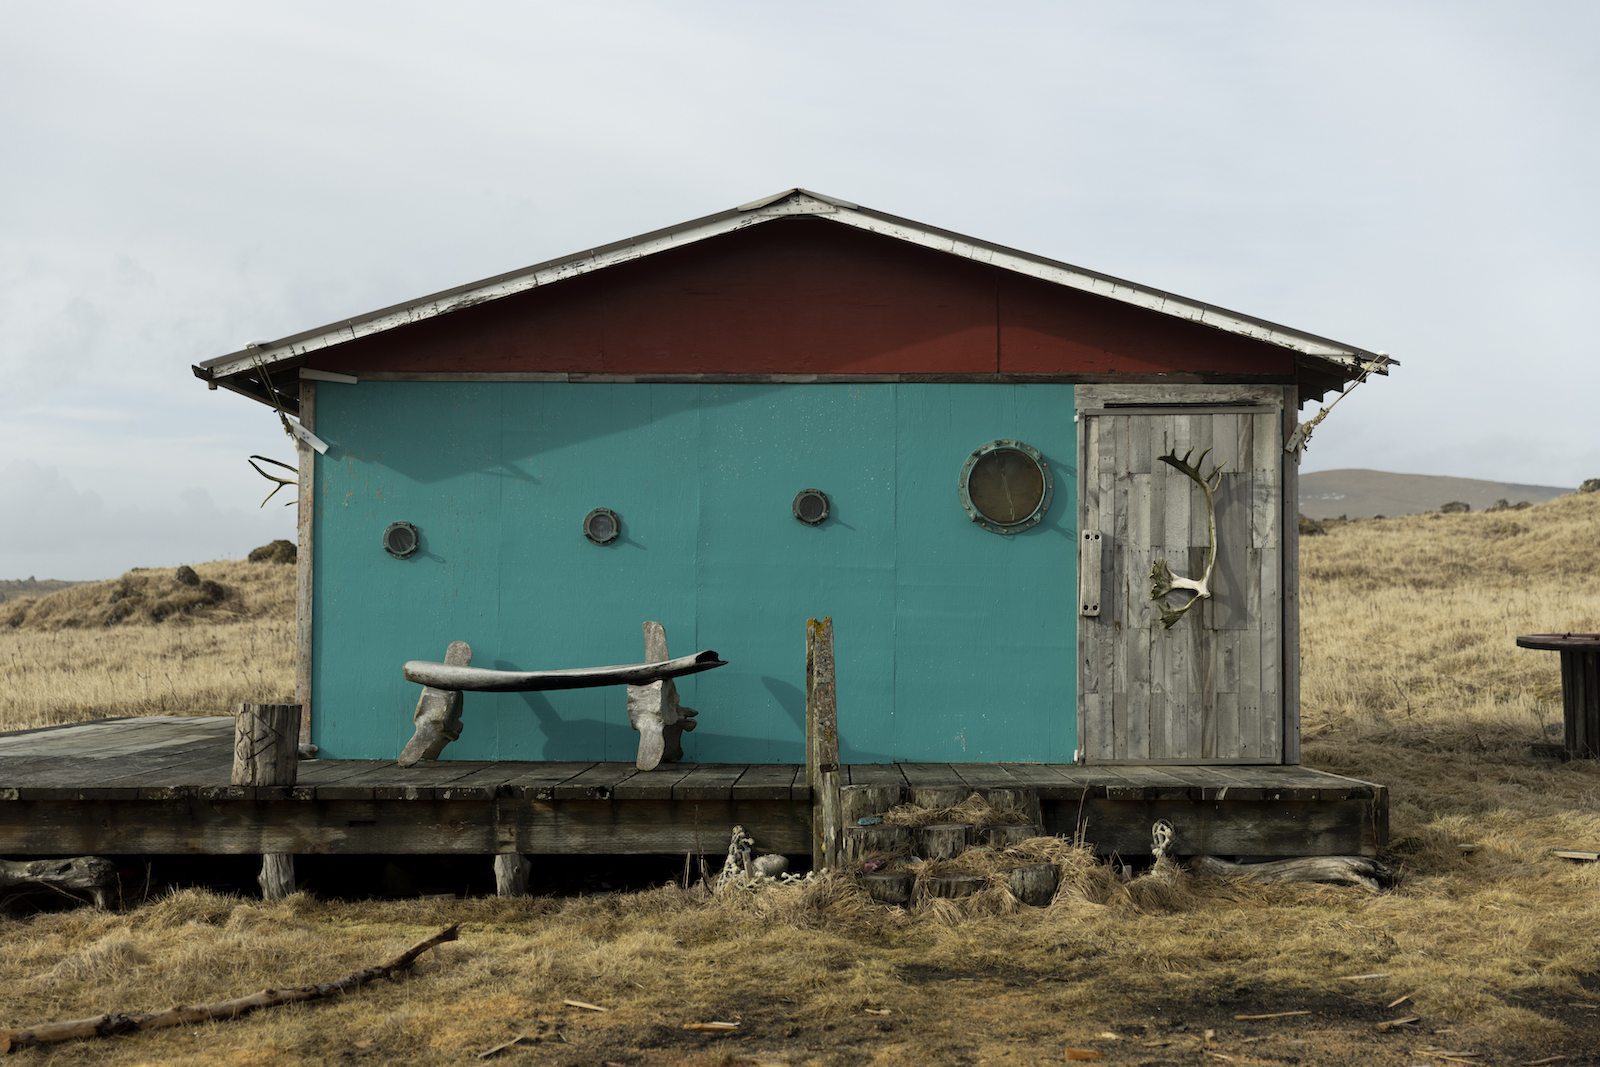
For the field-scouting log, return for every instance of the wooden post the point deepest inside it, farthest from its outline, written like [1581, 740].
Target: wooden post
[266, 751]
[306, 466]
[511, 874]
[822, 743]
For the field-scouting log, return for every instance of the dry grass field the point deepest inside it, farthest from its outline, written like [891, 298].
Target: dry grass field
[1411, 678]
[147, 644]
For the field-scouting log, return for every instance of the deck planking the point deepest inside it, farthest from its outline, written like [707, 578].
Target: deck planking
[162, 784]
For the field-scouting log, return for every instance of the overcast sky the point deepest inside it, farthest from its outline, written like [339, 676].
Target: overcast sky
[177, 179]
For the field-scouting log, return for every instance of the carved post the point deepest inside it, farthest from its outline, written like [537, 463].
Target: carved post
[822, 743]
[266, 751]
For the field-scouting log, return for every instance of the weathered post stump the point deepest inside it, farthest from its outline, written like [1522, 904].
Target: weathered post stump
[942, 841]
[883, 838]
[888, 887]
[1025, 801]
[266, 752]
[1004, 835]
[938, 796]
[266, 744]
[954, 886]
[1034, 884]
[860, 801]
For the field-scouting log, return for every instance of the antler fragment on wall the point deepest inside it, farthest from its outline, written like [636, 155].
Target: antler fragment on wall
[1162, 580]
[274, 478]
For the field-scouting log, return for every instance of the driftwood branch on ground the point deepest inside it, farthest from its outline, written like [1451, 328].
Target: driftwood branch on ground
[120, 1023]
[87, 874]
[1357, 870]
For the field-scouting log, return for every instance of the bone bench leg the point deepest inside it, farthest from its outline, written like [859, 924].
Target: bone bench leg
[654, 709]
[438, 715]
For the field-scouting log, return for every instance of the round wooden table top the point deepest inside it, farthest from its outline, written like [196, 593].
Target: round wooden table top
[1561, 642]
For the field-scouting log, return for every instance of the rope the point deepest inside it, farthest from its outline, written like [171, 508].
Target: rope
[1161, 836]
[1302, 433]
[739, 869]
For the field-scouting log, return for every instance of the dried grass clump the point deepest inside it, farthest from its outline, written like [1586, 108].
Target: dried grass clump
[977, 810]
[1084, 880]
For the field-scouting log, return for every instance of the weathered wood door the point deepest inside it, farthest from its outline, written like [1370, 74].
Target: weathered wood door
[1212, 687]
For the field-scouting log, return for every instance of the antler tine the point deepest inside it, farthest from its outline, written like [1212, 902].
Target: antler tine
[273, 477]
[1192, 469]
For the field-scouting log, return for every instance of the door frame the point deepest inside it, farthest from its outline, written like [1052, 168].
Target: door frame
[1098, 468]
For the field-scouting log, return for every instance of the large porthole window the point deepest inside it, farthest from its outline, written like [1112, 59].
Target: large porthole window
[1006, 486]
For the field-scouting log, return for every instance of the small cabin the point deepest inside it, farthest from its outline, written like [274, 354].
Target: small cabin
[971, 458]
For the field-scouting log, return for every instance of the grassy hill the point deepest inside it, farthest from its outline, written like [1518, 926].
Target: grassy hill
[31, 587]
[1362, 494]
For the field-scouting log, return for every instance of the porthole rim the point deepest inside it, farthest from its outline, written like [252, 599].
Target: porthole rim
[616, 526]
[827, 507]
[416, 539]
[1007, 444]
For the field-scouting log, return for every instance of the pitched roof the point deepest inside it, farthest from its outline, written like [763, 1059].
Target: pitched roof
[1321, 356]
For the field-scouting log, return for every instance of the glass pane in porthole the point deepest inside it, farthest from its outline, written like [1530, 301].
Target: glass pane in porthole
[1005, 486]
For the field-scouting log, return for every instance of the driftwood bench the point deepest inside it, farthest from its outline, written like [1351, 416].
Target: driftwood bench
[653, 707]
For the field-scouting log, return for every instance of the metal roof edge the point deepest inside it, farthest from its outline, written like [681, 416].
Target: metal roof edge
[794, 201]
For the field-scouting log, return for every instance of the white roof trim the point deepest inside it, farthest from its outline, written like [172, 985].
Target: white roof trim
[789, 202]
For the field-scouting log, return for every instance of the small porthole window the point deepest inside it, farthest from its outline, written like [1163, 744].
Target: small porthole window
[401, 540]
[602, 526]
[1006, 486]
[811, 506]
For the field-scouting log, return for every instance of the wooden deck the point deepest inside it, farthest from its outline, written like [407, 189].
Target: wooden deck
[159, 785]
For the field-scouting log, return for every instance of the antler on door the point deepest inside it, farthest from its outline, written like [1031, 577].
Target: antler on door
[1162, 580]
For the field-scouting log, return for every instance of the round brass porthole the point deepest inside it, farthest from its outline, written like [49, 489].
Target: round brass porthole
[401, 540]
[602, 526]
[1006, 486]
[811, 506]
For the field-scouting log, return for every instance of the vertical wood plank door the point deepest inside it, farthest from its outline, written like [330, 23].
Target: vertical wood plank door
[1209, 689]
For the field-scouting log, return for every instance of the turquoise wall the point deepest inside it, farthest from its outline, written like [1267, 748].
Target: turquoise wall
[952, 643]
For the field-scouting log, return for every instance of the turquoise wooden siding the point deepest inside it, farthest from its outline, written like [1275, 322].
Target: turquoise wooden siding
[953, 643]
